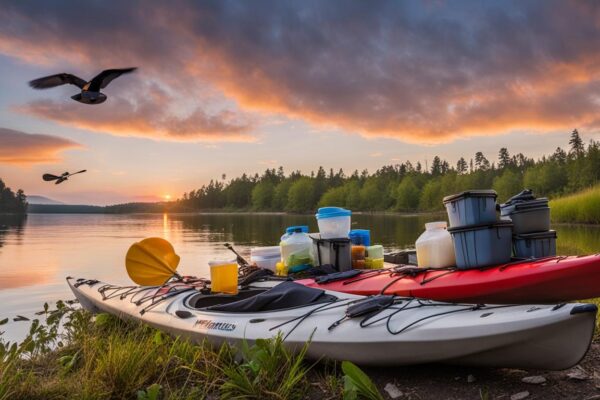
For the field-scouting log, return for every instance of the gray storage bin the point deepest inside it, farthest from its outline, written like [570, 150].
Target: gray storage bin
[473, 207]
[482, 245]
[528, 216]
[335, 252]
[535, 245]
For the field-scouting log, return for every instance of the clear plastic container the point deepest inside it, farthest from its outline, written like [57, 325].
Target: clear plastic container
[435, 248]
[334, 222]
[358, 257]
[223, 276]
[265, 257]
[296, 249]
[375, 251]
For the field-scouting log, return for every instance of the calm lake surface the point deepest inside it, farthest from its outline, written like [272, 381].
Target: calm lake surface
[38, 252]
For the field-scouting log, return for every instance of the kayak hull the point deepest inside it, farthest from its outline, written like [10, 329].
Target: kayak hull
[550, 280]
[544, 337]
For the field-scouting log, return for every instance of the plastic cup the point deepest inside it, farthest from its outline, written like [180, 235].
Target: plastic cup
[223, 276]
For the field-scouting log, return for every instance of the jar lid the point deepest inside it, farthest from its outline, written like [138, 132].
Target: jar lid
[331, 212]
[297, 228]
[470, 193]
[436, 225]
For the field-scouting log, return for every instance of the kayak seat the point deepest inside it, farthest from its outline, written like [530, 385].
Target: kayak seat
[283, 296]
[202, 300]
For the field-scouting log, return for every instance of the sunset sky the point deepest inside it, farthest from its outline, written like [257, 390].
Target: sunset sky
[227, 87]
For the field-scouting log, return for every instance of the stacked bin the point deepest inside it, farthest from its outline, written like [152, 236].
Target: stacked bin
[532, 236]
[479, 238]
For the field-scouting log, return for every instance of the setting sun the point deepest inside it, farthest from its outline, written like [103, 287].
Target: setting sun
[167, 197]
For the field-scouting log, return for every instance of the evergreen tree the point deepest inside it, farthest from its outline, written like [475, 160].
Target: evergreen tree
[504, 159]
[461, 166]
[577, 146]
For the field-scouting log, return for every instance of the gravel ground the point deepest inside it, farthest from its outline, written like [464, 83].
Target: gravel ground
[451, 382]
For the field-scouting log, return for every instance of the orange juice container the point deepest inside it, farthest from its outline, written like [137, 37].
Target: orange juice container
[223, 276]
[358, 257]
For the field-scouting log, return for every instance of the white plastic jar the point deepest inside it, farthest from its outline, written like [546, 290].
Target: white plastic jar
[334, 222]
[435, 248]
[296, 250]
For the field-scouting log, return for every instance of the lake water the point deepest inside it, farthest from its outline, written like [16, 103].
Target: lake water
[38, 252]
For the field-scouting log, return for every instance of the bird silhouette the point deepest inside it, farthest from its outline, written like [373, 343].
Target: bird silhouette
[60, 178]
[90, 91]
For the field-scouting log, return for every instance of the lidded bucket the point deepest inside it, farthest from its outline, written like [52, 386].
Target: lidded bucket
[334, 222]
[473, 207]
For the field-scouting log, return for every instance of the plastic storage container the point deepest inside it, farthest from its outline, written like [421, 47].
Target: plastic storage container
[434, 247]
[527, 213]
[473, 207]
[482, 245]
[373, 263]
[296, 250]
[334, 222]
[358, 256]
[265, 257]
[535, 245]
[336, 252]
[223, 276]
[360, 237]
[375, 251]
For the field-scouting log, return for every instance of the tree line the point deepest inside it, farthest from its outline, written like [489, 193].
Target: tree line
[11, 202]
[404, 187]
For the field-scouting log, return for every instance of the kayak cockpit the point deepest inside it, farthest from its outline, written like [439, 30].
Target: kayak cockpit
[284, 296]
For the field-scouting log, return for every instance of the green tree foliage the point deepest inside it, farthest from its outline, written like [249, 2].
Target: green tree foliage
[577, 146]
[262, 195]
[301, 196]
[11, 202]
[403, 187]
[504, 159]
[508, 184]
[407, 195]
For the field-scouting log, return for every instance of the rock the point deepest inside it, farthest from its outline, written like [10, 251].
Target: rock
[535, 380]
[596, 397]
[393, 391]
[519, 396]
[471, 379]
[578, 374]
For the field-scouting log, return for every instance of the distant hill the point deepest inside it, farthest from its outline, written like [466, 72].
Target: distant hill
[41, 200]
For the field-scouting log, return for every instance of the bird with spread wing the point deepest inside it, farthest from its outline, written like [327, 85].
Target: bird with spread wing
[90, 91]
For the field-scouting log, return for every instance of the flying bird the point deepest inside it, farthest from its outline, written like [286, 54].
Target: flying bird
[60, 178]
[90, 91]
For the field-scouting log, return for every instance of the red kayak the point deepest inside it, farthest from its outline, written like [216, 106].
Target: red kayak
[547, 280]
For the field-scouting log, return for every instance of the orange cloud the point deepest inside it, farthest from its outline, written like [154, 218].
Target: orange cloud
[424, 73]
[25, 148]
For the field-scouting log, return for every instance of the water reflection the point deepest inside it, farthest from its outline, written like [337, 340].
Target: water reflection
[11, 224]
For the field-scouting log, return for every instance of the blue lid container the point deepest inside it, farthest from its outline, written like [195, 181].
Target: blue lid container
[360, 237]
[298, 228]
[331, 212]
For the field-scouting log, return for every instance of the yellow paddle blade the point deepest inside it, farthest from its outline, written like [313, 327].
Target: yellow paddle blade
[151, 262]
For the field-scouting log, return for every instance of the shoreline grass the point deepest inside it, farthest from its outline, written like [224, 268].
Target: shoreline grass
[72, 354]
[582, 207]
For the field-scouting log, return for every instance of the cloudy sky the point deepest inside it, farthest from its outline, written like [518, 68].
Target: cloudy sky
[226, 87]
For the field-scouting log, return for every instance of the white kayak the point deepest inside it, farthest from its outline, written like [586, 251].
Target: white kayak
[395, 331]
